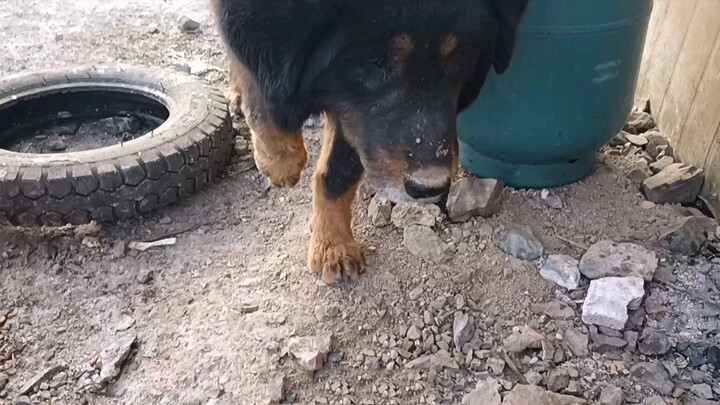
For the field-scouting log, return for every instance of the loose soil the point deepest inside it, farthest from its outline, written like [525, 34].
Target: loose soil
[67, 294]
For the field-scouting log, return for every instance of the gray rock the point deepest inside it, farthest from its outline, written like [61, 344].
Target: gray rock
[408, 214]
[640, 122]
[687, 235]
[518, 241]
[117, 125]
[637, 140]
[4, 379]
[558, 379]
[655, 143]
[276, 390]
[609, 259]
[631, 337]
[113, 358]
[413, 333]
[534, 395]
[422, 242]
[187, 24]
[577, 342]
[661, 164]
[495, 366]
[640, 172]
[703, 391]
[609, 298]
[611, 395]
[145, 276]
[463, 330]
[654, 342]
[555, 310]
[56, 145]
[677, 183]
[485, 393]
[523, 338]
[311, 351]
[379, 211]
[607, 344]
[471, 196]
[422, 362]
[44, 375]
[562, 270]
[119, 249]
[655, 400]
[47, 250]
[372, 362]
[22, 400]
[654, 376]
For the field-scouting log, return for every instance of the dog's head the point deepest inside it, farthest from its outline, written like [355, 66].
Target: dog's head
[394, 74]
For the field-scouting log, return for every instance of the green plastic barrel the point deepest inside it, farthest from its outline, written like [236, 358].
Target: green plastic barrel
[568, 91]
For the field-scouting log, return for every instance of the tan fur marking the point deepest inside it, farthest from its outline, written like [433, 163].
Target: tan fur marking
[401, 47]
[448, 48]
[333, 249]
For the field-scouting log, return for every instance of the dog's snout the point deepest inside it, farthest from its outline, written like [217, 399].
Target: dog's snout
[419, 190]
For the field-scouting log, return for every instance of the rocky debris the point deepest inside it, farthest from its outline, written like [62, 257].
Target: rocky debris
[422, 242]
[562, 270]
[421, 362]
[655, 142]
[276, 390]
[558, 379]
[654, 342]
[605, 344]
[609, 259]
[187, 24]
[408, 214]
[611, 395]
[22, 400]
[311, 351]
[577, 342]
[703, 391]
[677, 183]
[45, 375]
[554, 310]
[380, 211]
[534, 395]
[553, 201]
[485, 393]
[637, 140]
[640, 172]
[119, 249]
[145, 276]
[413, 333]
[661, 164]
[523, 338]
[113, 359]
[4, 379]
[608, 300]
[463, 329]
[652, 375]
[56, 144]
[471, 196]
[640, 122]
[687, 235]
[518, 241]
[495, 366]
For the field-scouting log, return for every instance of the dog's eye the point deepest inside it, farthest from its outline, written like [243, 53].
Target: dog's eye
[378, 62]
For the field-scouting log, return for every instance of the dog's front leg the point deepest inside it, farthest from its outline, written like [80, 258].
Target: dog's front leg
[333, 248]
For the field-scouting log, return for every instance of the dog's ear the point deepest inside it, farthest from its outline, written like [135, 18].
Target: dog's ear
[508, 13]
[274, 40]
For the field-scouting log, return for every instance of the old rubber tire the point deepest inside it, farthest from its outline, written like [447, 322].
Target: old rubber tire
[124, 180]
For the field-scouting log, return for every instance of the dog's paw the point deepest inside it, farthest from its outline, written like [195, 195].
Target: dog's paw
[335, 261]
[234, 99]
[284, 169]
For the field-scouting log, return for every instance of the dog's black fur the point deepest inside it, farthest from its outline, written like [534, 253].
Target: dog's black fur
[313, 56]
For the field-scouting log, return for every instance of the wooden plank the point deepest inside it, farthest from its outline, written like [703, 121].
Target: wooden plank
[690, 69]
[711, 188]
[657, 19]
[704, 117]
[667, 48]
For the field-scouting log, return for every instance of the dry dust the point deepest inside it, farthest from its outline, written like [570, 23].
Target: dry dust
[70, 298]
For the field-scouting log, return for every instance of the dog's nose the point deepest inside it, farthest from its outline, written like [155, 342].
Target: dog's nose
[418, 190]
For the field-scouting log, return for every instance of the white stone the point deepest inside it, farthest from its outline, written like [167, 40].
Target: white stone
[407, 214]
[562, 270]
[422, 242]
[485, 393]
[608, 300]
[472, 196]
[610, 259]
[379, 211]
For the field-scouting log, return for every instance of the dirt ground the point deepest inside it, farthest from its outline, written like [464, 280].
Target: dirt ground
[67, 297]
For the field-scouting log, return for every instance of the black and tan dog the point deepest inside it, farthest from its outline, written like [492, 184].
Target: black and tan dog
[390, 77]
